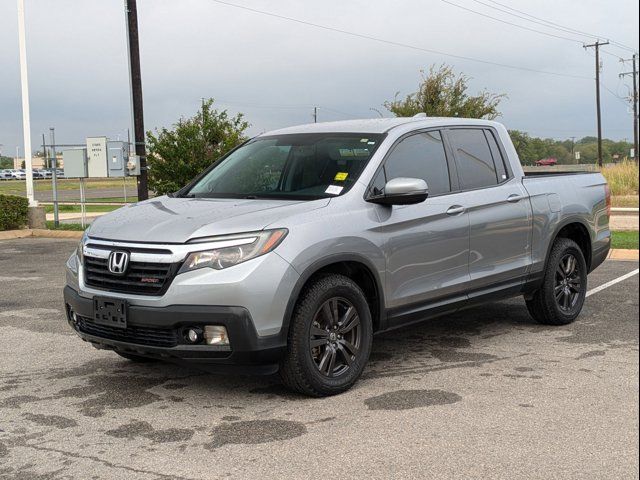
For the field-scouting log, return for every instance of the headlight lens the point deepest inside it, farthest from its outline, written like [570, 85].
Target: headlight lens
[220, 258]
[79, 252]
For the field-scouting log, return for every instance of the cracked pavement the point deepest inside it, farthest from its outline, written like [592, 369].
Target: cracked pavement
[485, 393]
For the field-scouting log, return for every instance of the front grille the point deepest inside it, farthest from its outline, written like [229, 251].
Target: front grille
[141, 278]
[154, 337]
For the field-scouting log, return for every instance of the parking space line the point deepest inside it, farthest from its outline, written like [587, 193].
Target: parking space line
[612, 282]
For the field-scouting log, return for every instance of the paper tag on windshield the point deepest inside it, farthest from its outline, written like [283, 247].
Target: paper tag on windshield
[333, 189]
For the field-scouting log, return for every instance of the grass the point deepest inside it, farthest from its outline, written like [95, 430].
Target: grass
[18, 187]
[66, 226]
[625, 201]
[626, 239]
[76, 208]
[622, 178]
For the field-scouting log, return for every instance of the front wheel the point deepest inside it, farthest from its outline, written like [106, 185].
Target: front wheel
[329, 338]
[564, 288]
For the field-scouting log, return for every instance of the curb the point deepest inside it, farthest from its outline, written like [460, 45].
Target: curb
[39, 233]
[623, 254]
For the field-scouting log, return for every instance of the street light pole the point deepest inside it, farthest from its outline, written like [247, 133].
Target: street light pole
[26, 120]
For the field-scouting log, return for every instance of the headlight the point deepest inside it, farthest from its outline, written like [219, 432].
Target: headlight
[243, 248]
[79, 250]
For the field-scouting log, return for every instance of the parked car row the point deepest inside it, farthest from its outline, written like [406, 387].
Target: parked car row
[38, 174]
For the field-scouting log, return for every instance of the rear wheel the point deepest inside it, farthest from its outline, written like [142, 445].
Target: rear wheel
[561, 297]
[329, 338]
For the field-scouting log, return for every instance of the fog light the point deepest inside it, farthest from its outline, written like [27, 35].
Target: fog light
[193, 335]
[216, 335]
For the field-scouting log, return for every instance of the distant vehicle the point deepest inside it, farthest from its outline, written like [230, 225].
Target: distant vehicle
[46, 173]
[5, 175]
[37, 174]
[547, 162]
[291, 251]
[18, 174]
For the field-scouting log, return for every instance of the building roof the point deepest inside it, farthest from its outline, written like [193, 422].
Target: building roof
[376, 125]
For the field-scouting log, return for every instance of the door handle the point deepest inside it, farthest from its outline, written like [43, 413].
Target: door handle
[455, 210]
[514, 198]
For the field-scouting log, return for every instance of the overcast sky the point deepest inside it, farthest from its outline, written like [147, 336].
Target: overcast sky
[274, 70]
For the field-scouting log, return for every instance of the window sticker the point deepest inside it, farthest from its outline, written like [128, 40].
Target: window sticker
[333, 189]
[364, 140]
[341, 176]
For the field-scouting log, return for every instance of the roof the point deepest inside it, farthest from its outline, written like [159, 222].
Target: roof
[375, 125]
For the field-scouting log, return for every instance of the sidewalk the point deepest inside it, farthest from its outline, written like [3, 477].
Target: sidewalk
[74, 217]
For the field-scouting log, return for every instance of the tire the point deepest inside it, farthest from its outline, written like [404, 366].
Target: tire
[551, 304]
[321, 360]
[136, 358]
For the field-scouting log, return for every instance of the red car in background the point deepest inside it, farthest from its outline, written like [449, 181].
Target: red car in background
[547, 162]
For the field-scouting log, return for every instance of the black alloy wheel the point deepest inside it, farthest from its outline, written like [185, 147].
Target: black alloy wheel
[335, 336]
[568, 283]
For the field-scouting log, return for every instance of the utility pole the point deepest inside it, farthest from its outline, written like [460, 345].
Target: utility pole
[54, 176]
[26, 119]
[135, 79]
[634, 99]
[597, 46]
[315, 114]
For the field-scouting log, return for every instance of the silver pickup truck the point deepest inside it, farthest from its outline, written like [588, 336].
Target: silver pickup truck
[290, 252]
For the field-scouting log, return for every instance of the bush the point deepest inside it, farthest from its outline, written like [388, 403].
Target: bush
[179, 154]
[622, 178]
[13, 212]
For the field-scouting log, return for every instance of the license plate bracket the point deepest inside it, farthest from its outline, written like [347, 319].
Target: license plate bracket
[110, 312]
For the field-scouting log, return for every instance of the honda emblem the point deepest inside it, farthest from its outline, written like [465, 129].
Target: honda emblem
[118, 262]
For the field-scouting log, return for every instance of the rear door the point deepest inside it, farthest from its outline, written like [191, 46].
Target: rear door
[427, 244]
[499, 209]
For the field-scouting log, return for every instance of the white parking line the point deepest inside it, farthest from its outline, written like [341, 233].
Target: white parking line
[612, 282]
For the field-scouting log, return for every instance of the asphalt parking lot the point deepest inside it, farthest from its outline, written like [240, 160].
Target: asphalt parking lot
[485, 393]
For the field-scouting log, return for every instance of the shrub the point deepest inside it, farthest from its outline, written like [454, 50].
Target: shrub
[13, 212]
[622, 178]
[179, 154]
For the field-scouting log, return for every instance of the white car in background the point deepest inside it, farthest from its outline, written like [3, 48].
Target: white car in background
[5, 174]
[18, 174]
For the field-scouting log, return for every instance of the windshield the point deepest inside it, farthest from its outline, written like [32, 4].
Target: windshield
[296, 167]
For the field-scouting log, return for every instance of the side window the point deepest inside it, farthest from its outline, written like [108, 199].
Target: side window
[498, 159]
[473, 157]
[420, 156]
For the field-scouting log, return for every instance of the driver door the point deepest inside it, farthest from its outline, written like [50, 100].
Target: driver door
[426, 244]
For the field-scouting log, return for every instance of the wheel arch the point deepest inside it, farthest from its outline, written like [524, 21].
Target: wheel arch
[354, 266]
[574, 229]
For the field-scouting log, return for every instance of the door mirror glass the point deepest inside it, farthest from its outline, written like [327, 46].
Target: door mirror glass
[402, 191]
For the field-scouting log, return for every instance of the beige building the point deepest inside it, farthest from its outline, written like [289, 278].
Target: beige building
[37, 163]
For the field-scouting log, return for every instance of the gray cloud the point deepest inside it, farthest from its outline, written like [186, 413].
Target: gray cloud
[275, 71]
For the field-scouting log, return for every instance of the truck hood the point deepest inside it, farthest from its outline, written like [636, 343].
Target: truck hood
[176, 220]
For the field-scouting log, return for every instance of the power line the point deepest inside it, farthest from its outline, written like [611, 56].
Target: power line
[531, 18]
[511, 23]
[563, 27]
[398, 44]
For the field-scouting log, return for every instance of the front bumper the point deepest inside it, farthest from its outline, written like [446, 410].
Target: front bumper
[150, 330]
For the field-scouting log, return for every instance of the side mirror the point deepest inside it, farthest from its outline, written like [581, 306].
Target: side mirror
[402, 191]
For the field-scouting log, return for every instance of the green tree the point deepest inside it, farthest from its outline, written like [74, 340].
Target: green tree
[6, 162]
[442, 93]
[179, 154]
